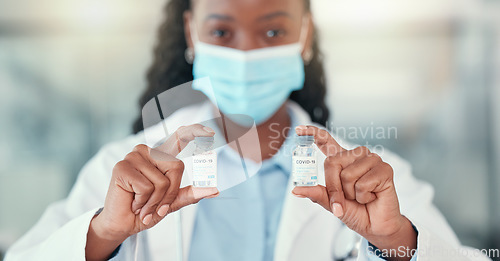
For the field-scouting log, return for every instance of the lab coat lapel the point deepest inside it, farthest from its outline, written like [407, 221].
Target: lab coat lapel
[187, 215]
[295, 215]
[171, 238]
[296, 211]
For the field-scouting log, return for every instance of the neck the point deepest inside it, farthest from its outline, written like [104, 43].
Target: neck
[271, 135]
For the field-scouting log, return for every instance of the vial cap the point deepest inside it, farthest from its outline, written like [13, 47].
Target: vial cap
[305, 140]
[204, 140]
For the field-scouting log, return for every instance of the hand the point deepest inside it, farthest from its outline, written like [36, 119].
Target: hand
[360, 192]
[144, 189]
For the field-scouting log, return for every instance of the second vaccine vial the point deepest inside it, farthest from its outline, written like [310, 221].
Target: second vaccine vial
[204, 163]
[304, 163]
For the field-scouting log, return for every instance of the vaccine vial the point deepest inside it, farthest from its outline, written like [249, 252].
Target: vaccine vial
[204, 163]
[304, 163]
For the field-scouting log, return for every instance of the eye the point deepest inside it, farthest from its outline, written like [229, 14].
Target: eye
[275, 33]
[219, 33]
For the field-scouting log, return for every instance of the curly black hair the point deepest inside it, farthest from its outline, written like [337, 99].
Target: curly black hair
[170, 69]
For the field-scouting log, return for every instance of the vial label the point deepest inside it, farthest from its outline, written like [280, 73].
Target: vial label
[205, 170]
[304, 171]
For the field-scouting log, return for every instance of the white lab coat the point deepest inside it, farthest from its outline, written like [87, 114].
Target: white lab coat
[306, 230]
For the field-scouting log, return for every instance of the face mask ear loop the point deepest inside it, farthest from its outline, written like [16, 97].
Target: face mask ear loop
[304, 31]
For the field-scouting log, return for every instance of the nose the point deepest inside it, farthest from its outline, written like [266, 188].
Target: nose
[246, 41]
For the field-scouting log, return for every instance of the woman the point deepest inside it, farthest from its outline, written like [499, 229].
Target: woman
[263, 61]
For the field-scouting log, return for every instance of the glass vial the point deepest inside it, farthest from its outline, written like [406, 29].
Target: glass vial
[304, 163]
[204, 163]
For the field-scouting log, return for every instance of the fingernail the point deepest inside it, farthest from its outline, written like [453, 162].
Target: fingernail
[163, 210]
[199, 193]
[297, 195]
[207, 129]
[301, 127]
[137, 212]
[213, 196]
[337, 210]
[147, 219]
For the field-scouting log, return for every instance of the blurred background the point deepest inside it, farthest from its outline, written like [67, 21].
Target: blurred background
[71, 73]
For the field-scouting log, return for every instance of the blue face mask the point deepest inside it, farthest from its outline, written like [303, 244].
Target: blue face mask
[254, 83]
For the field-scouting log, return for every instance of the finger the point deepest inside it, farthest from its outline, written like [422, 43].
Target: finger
[132, 181]
[373, 182]
[325, 142]
[160, 182]
[161, 160]
[366, 186]
[174, 175]
[353, 172]
[191, 195]
[186, 196]
[333, 168]
[182, 136]
[317, 194]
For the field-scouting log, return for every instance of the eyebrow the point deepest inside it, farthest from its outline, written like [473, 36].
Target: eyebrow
[219, 17]
[274, 15]
[262, 18]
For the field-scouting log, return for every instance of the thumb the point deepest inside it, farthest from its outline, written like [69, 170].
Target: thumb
[319, 195]
[337, 203]
[191, 195]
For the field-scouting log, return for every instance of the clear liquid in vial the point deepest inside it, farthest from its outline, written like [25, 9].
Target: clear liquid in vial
[204, 163]
[304, 162]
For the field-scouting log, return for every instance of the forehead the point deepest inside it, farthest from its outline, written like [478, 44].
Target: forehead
[247, 9]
